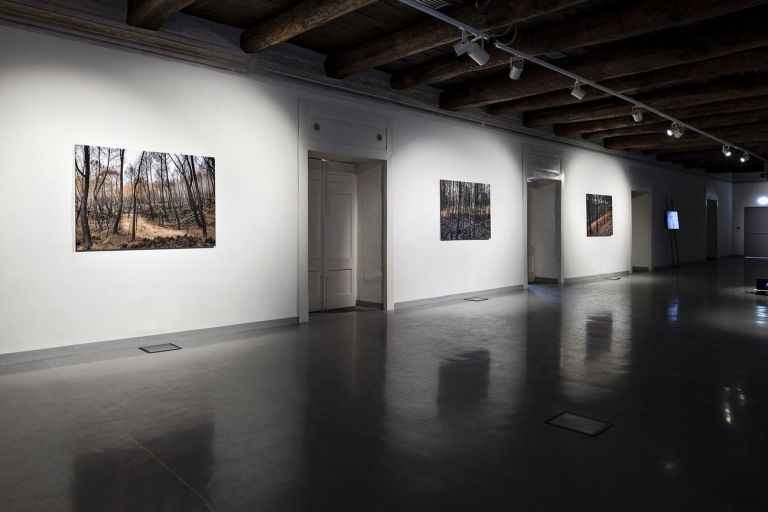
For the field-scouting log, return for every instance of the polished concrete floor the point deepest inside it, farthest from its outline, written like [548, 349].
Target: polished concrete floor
[431, 408]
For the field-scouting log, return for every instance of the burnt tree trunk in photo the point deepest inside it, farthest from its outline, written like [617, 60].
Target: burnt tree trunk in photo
[86, 173]
[119, 214]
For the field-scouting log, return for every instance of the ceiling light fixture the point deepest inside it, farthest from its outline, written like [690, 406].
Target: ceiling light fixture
[478, 53]
[469, 44]
[676, 130]
[462, 46]
[727, 151]
[516, 68]
[577, 92]
[744, 158]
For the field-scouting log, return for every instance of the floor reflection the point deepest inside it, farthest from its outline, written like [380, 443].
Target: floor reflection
[463, 382]
[113, 480]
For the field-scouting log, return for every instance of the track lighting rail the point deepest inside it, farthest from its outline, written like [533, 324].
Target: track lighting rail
[579, 80]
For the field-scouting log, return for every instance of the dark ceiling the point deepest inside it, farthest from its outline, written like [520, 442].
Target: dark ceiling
[702, 61]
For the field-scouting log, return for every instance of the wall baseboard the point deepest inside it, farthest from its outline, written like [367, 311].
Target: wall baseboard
[154, 339]
[368, 304]
[456, 296]
[641, 269]
[586, 279]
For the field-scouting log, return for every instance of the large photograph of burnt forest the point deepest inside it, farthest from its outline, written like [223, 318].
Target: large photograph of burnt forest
[599, 215]
[128, 200]
[465, 210]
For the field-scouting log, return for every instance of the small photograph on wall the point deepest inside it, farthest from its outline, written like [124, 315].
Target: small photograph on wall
[465, 210]
[129, 200]
[599, 215]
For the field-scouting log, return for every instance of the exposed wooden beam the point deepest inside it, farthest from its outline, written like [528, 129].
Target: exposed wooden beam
[151, 14]
[734, 168]
[622, 23]
[627, 59]
[706, 122]
[721, 107]
[703, 156]
[748, 61]
[433, 33]
[749, 132]
[297, 20]
[664, 100]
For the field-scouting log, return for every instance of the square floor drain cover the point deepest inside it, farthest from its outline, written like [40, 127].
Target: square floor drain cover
[476, 299]
[165, 347]
[578, 423]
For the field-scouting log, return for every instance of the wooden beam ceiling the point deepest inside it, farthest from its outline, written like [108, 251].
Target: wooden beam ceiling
[622, 23]
[151, 14]
[704, 123]
[679, 97]
[297, 20]
[433, 33]
[721, 107]
[627, 59]
[748, 132]
[747, 61]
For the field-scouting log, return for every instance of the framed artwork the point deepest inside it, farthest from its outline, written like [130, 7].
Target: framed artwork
[465, 210]
[599, 215]
[128, 200]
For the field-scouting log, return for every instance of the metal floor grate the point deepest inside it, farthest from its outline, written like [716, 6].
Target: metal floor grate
[578, 423]
[476, 299]
[165, 347]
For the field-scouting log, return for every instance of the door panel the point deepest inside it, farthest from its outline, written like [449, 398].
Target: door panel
[339, 241]
[315, 248]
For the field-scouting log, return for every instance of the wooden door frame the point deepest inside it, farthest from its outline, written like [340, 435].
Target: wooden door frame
[305, 147]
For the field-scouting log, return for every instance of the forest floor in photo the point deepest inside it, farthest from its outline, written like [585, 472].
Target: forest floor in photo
[602, 226]
[149, 235]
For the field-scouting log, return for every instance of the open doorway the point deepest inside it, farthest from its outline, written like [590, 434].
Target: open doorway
[544, 249]
[711, 229]
[346, 238]
[641, 231]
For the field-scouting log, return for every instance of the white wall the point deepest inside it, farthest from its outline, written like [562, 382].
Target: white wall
[369, 224]
[428, 149]
[587, 172]
[744, 194]
[55, 93]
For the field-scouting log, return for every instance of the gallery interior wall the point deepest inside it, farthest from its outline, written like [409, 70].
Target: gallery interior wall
[57, 92]
[744, 194]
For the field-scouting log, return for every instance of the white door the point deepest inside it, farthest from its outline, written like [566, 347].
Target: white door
[315, 250]
[332, 235]
[339, 240]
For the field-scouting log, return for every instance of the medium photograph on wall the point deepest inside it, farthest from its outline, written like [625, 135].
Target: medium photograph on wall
[599, 215]
[128, 200]
[465, 210]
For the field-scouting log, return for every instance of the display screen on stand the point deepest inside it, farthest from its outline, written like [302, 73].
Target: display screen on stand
[673, 222]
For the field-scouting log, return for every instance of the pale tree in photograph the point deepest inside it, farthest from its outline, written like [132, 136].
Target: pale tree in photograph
[599, 215]
[143, 200]
[465, 210]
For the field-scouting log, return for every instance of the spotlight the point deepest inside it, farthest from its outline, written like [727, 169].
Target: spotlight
[462, 46]
[577, 92]
[727, 151]
[478, 53]
[637, 114]
[516, 68]
[676, 130]
[744, 158]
